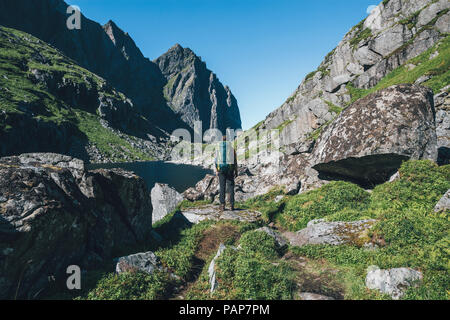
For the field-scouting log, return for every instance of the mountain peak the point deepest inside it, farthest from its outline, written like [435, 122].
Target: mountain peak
[176, 46]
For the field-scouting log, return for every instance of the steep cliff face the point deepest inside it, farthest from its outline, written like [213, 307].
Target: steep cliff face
[49, 103]
[112, 54]
[399, 42]
[195, 93]
[106, 51]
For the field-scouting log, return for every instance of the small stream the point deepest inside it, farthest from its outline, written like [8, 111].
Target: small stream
[178, 176]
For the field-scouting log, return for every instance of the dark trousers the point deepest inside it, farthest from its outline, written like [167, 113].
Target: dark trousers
[226, 179]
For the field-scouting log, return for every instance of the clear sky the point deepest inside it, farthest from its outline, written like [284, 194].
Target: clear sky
[261, 49]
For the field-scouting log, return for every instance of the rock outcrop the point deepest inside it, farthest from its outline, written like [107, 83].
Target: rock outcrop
[333, 233]
[188, 83]
[256, 178]
[212, 212]
[53, 214]
[212, 268]
[393, 282]
[369, 140]
[145, 261]
[395, 32]
[164, 200]
[444, 203]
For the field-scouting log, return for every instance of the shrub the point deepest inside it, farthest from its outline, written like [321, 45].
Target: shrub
[251, 273]
[259, 279]
[327, 200]
[422, 183]
[257, 243]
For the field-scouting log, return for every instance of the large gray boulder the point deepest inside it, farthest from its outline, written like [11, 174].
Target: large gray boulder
[205, 189]
[393, 282]
[164, 200]
[333, 233]
[369, 140]
[145, 261]
[54, 214]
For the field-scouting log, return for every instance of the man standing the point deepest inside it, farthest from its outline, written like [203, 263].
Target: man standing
[226, 170]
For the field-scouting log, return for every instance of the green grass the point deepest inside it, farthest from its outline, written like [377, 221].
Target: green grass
[178, 256]
[131, 286]
[284, 124]
[412, 234]
[333, 108]
[411, 21]
[407, 231]
[334, 197]
[361, 35]
[265, 204]
[252, 272]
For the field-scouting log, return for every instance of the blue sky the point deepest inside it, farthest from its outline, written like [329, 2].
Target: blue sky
[261, 49]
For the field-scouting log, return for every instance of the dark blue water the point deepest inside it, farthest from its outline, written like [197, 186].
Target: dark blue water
[178, 176]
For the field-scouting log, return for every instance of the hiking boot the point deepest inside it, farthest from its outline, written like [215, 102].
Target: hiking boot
[232, 207]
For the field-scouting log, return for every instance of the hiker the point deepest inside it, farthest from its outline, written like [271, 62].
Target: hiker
[226, 170]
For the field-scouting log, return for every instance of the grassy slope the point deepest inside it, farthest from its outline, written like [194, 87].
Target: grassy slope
[18, 51]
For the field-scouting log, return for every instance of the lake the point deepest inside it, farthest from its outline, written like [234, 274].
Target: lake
[178, 176]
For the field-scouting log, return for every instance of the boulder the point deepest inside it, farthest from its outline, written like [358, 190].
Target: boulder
[164, 200]
[145, 261]
[212, 268]
[54, 214]
[369, 140]
[278, 198]
[205, 189]
[212, 212]
[333, 233]
[313, 296]
[393, 282]
[444, 203]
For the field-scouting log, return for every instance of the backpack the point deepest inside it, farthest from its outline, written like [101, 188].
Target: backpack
[225, 157]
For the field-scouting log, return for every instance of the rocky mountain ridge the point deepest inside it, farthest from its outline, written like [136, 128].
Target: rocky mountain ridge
[397, 37]
[111, 54]
[195, 93]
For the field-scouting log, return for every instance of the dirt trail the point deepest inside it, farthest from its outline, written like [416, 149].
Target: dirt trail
[208, 246]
